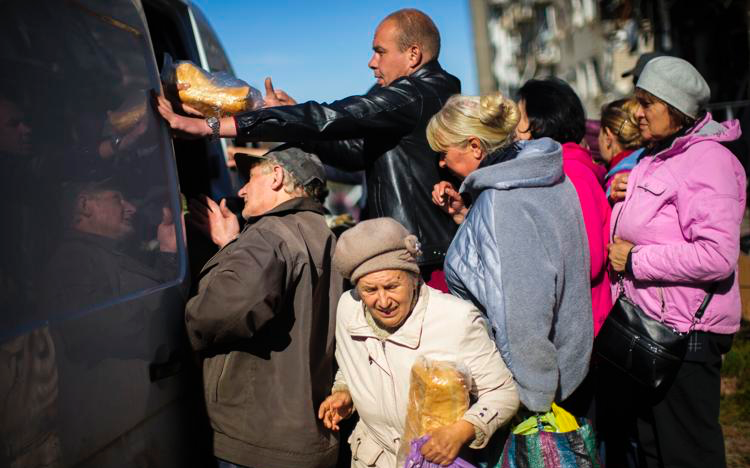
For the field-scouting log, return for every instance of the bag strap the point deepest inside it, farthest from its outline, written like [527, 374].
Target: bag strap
[704, 305]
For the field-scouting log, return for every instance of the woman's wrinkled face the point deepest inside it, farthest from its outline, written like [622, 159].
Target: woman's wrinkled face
[653, 118]
[388, 295]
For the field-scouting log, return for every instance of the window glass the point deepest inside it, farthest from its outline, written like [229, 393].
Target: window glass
[215, 55]
[88, 191]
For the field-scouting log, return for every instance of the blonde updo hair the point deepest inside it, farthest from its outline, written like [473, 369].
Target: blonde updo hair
[619, 117]
[492, 119]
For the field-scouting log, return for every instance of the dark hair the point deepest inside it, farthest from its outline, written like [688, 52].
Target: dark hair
[554, 110]
[416, 28]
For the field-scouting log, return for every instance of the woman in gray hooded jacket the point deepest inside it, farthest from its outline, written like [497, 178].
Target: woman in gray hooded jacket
[521, 253]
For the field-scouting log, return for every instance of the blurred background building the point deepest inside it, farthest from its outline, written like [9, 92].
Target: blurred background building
[590, 43]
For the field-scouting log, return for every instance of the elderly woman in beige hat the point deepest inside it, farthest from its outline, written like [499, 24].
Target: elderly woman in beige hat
[383, 325]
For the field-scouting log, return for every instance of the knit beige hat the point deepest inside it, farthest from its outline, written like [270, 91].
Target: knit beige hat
[375, 245]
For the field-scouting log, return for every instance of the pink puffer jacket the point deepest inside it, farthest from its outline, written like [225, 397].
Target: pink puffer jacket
[683, 210]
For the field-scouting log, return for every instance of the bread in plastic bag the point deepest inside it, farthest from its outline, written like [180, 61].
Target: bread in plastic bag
[438, 396]
[129, 114]
[213, 94]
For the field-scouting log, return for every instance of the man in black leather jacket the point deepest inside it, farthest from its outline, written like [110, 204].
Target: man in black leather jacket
[381, 132]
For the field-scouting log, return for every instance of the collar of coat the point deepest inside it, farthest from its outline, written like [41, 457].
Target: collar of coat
[293, 205]
[408, 335]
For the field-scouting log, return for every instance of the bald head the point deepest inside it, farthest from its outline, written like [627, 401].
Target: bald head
[416, 28]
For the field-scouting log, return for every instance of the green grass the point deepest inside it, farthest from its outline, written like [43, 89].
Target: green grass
[735, 407]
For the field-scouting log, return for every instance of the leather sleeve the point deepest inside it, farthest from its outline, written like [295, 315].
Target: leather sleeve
[393, 109]
[348, 155]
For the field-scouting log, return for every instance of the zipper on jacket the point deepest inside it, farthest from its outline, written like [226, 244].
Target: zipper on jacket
[394, 420]
[662, 304]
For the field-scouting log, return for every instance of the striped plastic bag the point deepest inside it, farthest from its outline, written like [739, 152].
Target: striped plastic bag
[545, 447]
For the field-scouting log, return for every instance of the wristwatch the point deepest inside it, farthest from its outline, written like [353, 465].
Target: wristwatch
[115, 141]
[214, 124]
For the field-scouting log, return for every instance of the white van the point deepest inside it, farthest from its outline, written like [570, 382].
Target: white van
[95, 368]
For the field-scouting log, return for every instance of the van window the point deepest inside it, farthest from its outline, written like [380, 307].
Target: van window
[215, 55]
[88, 191]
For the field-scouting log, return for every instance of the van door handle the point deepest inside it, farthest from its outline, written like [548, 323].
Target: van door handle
[172, 366]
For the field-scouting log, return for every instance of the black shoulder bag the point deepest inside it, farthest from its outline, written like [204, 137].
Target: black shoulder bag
[647, 350]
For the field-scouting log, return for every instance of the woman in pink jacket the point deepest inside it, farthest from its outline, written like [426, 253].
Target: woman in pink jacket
[675, 237]
[550, 108]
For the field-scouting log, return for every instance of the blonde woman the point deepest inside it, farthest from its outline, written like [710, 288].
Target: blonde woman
[521, 253]
[620, 144]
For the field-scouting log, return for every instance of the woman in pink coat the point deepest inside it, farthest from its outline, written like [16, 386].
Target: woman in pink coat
[676, 236]
[550, 108]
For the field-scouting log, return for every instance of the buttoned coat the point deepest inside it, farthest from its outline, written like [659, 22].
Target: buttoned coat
[377, 372]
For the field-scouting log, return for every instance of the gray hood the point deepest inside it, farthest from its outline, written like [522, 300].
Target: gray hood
[538, 164]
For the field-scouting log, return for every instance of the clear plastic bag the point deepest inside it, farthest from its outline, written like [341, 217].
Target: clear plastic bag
[438, 396]
[213, 94]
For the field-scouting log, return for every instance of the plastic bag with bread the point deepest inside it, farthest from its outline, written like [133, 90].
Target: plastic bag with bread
[438, 396]
[213, 94]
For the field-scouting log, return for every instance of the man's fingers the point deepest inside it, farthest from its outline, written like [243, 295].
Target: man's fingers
[212, 205]
[269, 87]
[322, 409]
[192, 111]
[226, 212]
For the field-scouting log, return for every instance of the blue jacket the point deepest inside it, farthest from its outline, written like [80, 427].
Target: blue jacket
[521, 255]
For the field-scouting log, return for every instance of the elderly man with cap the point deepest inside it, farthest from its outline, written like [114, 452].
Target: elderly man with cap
[383, 325]
[264, 315]
[676, 245]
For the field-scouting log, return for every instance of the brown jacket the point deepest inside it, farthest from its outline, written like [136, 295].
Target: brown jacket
[264, 319]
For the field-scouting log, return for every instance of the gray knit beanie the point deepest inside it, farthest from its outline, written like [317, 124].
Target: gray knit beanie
[375, 245]
[676, 82]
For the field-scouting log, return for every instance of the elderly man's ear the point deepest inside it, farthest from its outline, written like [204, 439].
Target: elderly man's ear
[278, 178]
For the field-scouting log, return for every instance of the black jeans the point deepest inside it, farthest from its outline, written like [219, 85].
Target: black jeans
[681, 429]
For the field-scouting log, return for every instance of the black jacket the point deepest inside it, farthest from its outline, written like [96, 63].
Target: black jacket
[382, 132]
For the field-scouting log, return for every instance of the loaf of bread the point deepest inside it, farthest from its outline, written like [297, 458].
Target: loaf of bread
[208, 97]
[438, 396]
[124, 119]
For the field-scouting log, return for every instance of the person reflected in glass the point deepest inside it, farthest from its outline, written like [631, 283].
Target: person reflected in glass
[93, 263]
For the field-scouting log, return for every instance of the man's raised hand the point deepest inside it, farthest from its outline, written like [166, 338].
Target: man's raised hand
[276, 97]
[215, 220]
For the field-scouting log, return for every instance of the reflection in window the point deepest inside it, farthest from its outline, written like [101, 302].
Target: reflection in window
[83, 160]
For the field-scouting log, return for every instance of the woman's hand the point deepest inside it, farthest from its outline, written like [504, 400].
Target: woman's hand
[618, 254]
[444, 443]
[619, 187]
[336, 408]
[449, 200]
